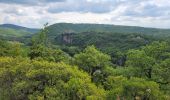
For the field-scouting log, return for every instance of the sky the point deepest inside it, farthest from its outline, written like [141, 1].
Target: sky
[35, 13]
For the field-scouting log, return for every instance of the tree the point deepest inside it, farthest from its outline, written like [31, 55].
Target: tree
[91, 60]
[94, 62]
[133, 89]
[39, 43]
[26, 79]
[141, 62]
[157, 50]
[118, 58]
[152, 61]
[54, 55]
[41, 50]
[10, 48]
[161, 75]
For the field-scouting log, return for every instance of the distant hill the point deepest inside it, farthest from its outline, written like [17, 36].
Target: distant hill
[15, 32]
[106, 37]
[60, 28]
[101, 35]
[16, 27]
[57, 29]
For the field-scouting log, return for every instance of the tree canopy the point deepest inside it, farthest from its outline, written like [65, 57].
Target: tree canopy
[44, 71]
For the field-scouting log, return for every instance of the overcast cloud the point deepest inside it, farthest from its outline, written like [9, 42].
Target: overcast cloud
[34, 13]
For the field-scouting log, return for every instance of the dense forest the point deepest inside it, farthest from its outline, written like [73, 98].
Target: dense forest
[84, 62]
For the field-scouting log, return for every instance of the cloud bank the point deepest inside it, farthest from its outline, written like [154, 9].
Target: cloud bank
[34, 13]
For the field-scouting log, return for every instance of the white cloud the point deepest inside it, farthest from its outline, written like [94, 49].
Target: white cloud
[147, 13]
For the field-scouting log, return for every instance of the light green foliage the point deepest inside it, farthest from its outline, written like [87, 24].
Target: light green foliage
[47, 75]
[9, 72]
[139, 60]
[41, 49]
[39, 44]
[158, 50]
[161, 75]
[123, 71]
[149, 56]
[94, 62]
[152, 61]
[11, 48]
[39, 80]
[133, 88]
[163, 71]
[91, 60]
[54, 55]
[9, 32]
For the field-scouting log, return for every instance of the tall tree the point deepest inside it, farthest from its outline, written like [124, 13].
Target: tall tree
[132, 89]
[91, 60]
[141, 62]
[39, 43]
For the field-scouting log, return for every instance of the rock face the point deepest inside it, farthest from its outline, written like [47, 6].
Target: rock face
[67, 38]
[121, 61]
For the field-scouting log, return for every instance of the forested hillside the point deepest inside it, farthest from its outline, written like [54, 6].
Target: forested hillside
[60, 28]
[86, 62]
[14, 32]
[32, 30]
[107, 42]
[105, 37]
[54, 31]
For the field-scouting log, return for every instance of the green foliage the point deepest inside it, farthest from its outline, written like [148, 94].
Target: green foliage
[60, 28]
[25, 79]
[54, 55]
[40, 49]
[152, 61]
[158, 50]
[149, 56]
[127, 73]
[94, 62]
[16, 33]
[139, 60]
[7, 32]
[71, 50]
[39, 43]
[22, 78]
[41, 52]
[41, 37]
[123, 71]
[161, 75]
[91, 60]
[12, 48]
[107, 42]
[118, 58]
[133, 88]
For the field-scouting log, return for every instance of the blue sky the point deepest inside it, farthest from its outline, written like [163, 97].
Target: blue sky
[34, 13]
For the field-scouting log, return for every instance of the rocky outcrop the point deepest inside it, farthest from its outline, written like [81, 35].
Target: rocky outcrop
[66, 38]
